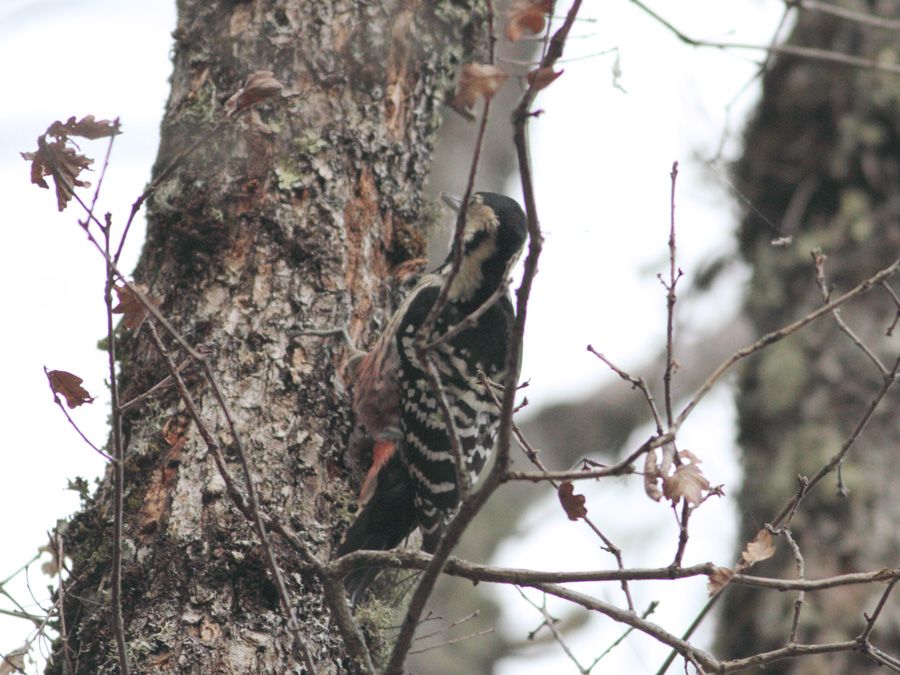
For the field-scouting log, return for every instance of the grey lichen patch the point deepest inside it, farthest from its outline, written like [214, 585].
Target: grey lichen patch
[310, 143]
[187, 499]
[165, 198]
[374, 618]
[785, 369]
[855, 215]
[290, 177]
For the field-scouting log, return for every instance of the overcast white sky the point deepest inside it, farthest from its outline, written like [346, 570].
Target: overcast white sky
[601, 160]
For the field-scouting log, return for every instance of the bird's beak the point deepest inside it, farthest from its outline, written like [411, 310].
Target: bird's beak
[453, 201]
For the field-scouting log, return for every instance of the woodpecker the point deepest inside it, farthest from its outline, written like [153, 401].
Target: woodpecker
[412, 479]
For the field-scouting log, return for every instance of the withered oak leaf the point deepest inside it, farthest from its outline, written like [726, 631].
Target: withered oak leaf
[64, 164]
[69, 385]
[761, 548]
[686, 482]
[257, 87]
[718, 580]
[527, 16]
[86, 127]
[130, 306]
[476, 80]
[572, 504]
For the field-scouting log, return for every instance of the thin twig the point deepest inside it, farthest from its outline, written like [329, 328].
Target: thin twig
[636, 382]
[109, 147]
[174, 164]
[890, 331]
[22, 568]
[819, 259]
[620, 468]
[533, 456]
[75, 426]
[647, 612]
[811, 53]
[670, 301]
[408, 559]
[861, 18]
[33, 618]
[684, 648]
[780, 334]
[453, 641]
[60, 554]
[119, 466]
[790, 507]
[471, 320]
[801, 574]
[350, 631]
[459, 458]
[470, 507]
[425, 330]
[786, 652]
[167, 381]
[870, 620]
[423, 341]
[682, 531]
[444, 629]
[550, 622]
[787, 512]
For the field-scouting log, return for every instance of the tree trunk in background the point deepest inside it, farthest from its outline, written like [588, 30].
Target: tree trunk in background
[290, 219]
[823, 162]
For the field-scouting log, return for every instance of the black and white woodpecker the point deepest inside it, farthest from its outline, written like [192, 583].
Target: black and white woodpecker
[412, 479]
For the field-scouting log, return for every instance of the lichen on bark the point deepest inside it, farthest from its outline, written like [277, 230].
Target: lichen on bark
[820, 166]
[289, 219]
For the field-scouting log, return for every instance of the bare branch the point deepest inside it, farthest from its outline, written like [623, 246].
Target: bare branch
[74, 425]
[637, 382]
[670, 301]
[819, 259]
[119, 454]
[870, 620]
[811, 53]
[780, 334]
[621, 468]
[469, 507]
[861, 18]
[792, 504]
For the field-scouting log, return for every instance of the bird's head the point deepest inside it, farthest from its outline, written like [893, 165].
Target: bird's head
[492, 240]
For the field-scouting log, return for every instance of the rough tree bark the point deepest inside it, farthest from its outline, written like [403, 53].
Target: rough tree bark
[292, 218]
[821, 161]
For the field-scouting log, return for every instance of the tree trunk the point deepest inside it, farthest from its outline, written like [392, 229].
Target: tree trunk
[290, 219]
[822, 162]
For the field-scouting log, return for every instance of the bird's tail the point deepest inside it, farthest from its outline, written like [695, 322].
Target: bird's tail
[386, 519]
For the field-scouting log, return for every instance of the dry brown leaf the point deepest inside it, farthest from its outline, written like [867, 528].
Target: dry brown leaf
[572, 504]
[687, 482]
[542, 77]
[14, 661]
[131, 307]
[257, 87]
[50, 567]
[477, 79]
[65, 160]
[527, 16]
[761, 548]
[718, 580]
[651, 476]
[69, 385]
[86, 127]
